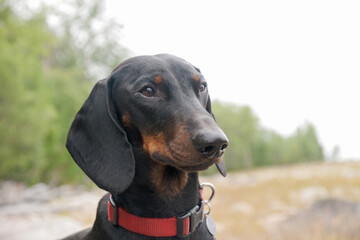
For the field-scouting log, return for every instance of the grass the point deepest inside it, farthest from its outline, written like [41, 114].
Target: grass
[253, 204]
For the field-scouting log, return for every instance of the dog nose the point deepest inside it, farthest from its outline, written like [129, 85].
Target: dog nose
[211, 144]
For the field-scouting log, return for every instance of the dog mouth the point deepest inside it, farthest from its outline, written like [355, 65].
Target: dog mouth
[200, 167]
[187, 166]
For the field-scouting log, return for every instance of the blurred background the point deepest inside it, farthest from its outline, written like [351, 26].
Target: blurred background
[283, 77]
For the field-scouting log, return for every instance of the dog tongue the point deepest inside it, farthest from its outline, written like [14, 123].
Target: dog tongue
[221, 167]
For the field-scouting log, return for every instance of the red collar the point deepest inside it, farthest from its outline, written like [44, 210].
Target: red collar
[179, 226]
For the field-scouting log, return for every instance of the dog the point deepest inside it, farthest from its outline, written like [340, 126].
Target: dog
[142, 135]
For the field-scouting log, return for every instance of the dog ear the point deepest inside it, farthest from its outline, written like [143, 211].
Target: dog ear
[208, 107]
[221, 165]
[98, 143]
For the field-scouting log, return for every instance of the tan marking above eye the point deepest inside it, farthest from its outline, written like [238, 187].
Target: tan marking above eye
[196, 78]
[158, 79]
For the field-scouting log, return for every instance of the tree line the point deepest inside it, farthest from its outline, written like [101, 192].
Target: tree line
[46, 73]
[252, 145]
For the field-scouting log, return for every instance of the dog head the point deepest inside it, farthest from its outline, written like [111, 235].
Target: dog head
[157, 103]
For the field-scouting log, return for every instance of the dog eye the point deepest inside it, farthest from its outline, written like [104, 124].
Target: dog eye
[147, 91]
[202, 87]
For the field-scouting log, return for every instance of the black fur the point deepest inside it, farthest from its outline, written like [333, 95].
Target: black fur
[142, 135]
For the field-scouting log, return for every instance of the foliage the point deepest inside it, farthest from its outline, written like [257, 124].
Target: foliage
[89, 40]
[44, 80]
[21, 75]
[252, 145]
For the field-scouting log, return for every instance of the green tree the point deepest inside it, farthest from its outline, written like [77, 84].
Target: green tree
[45, 78]
[309, 143]
[241, 126]
[252, 145]
[86, 49]
[23, 109]
[88, 38]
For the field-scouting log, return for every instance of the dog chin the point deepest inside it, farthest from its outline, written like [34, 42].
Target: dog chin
[200, 167]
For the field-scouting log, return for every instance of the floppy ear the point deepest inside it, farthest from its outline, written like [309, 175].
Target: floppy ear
[221, 165]
[99, 145]
[208, 107]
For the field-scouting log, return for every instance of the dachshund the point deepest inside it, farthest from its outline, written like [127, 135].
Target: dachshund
[142, 135]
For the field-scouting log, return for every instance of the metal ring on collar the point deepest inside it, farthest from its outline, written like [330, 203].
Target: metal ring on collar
[206, 202]
[212, 187]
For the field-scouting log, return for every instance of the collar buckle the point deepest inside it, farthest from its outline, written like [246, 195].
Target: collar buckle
[115, 211]
[195, 216]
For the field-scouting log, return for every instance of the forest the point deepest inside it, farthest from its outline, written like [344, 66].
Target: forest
[49, 60]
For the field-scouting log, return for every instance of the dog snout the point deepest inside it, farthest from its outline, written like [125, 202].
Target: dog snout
[210, 144]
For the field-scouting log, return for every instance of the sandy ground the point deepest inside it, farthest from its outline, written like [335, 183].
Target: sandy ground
[43, 212]
[270, 203]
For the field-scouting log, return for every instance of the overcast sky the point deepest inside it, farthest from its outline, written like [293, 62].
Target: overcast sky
[291, 61]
